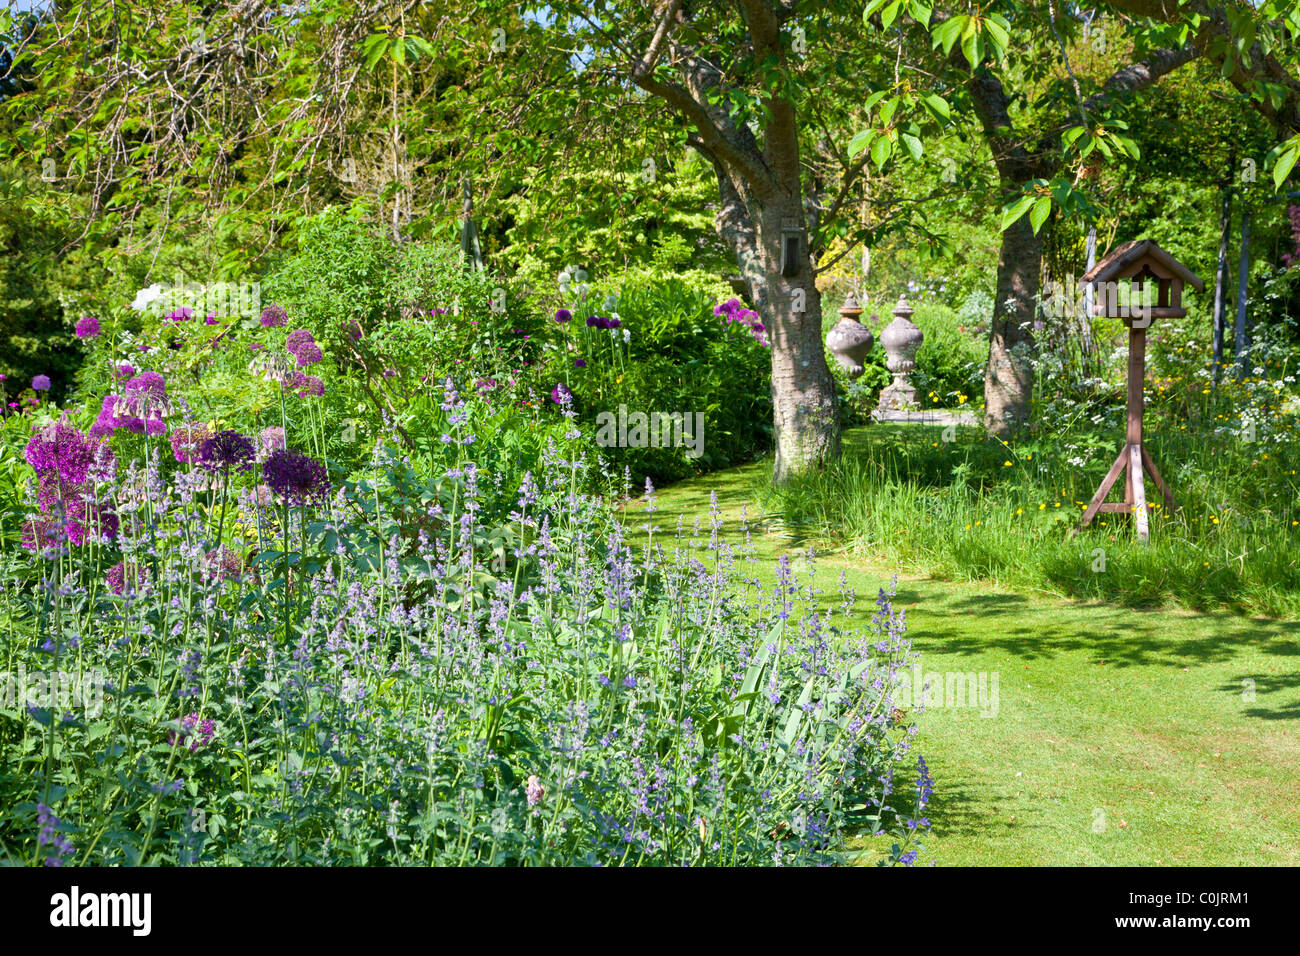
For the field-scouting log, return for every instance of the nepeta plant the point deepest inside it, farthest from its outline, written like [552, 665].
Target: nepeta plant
[455, 666]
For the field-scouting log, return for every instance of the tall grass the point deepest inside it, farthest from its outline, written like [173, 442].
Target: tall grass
[980, 509]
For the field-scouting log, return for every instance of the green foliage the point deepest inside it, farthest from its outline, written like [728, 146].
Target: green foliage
[677, 357]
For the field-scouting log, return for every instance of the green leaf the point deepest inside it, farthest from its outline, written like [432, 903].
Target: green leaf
[999, 33]
[1038, 215]
[374, 47]
[913, 146]
[946, 33]
[890, 13]
[860, 142]
[921, 10]
[796, 714]
[870, 10]
[881, 150]
[938, 106]
[972, 47]
[1286, 161]
[1016, 210]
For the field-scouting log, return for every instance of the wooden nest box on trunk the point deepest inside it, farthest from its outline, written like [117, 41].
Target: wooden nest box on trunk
[1139, 263]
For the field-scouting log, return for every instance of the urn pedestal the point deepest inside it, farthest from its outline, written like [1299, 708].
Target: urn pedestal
[900, 340]
[850, 341]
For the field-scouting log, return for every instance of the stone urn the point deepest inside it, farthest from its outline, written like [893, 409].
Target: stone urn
[900, 340]
[850, 340]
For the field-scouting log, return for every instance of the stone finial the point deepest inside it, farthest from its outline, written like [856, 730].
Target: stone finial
[900, 340]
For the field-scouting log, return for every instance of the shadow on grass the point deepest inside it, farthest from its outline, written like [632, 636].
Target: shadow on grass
[1262, 687]
[1120, 636]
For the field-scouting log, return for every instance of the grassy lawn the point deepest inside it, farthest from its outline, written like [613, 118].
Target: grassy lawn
[1121, 736]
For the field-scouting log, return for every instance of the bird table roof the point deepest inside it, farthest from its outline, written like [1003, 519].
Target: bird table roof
[1130, 258]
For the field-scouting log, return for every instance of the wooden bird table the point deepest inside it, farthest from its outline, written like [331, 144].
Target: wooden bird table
[1139, 261]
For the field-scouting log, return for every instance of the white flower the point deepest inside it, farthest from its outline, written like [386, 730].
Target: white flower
[146, 297]
[627, 336]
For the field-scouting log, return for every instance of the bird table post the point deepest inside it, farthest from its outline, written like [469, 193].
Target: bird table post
[1141, 262]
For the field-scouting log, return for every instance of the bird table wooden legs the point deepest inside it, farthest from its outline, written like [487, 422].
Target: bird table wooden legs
[1132, 461]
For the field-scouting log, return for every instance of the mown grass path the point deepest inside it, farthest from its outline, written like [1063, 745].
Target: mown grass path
[1121, 736]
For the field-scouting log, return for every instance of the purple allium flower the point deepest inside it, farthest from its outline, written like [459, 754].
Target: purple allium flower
[148, 387]
[563, 315]
[353, 329]
[186, 441]
[579, 363]
[561, 394]
[255, 346]
[226, 449]
[41, 383]
[87, 327]
[308, 354]
[296, 478]
[191, 726]
[121, 582]
[125, 371]
[212, 319]
[298, 338]
[274, 316]
[222, 563]
[63, 451]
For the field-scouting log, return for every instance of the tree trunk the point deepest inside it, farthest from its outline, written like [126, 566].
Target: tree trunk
[805, 415]
[1009, 375]
[806, 427]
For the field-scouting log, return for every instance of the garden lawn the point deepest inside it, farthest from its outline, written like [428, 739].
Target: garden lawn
[1121, 736]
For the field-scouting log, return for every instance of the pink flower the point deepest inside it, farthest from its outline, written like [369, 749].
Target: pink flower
[186, 440]
[534, 790]
[271, 439]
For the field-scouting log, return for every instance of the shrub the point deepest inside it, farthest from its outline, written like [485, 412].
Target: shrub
[387, 669]
[659, 347]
